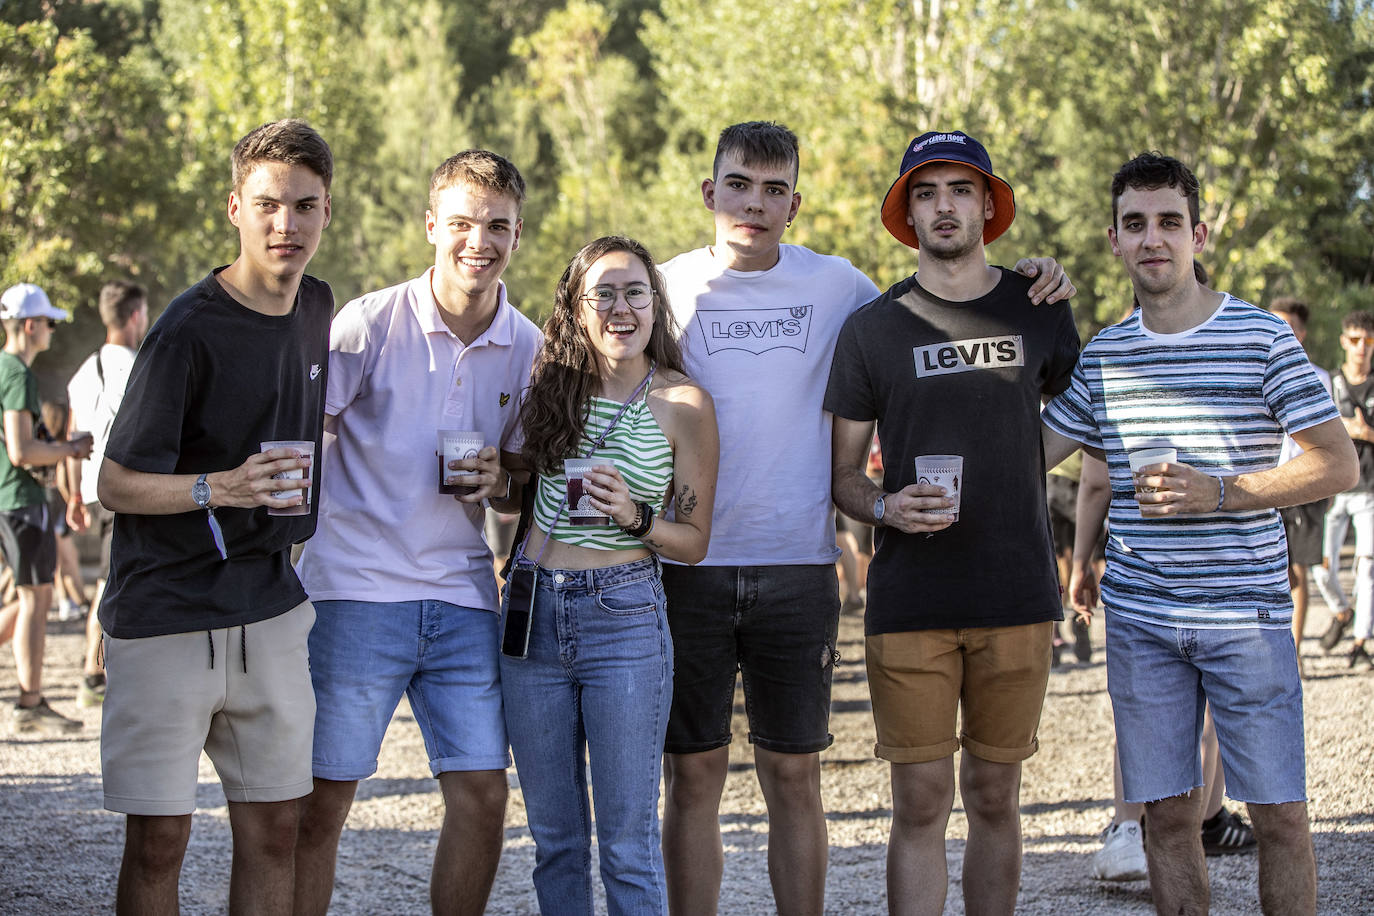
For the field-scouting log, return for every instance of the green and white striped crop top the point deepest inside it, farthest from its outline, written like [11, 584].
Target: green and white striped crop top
[639, 451]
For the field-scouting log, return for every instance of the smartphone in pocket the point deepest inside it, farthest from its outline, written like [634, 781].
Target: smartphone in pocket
[515, 637]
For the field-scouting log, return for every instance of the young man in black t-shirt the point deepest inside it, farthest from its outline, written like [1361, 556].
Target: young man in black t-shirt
[953, 360]
[205, 621]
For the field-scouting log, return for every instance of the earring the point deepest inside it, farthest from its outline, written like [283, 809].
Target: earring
[789, 224]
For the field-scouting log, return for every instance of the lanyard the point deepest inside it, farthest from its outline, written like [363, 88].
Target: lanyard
[600, 441]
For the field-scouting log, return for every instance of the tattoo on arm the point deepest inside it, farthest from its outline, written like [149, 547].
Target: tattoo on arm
[686, 501]
[653, 545]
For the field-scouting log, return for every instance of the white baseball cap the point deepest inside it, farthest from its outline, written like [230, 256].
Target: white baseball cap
[26, 300]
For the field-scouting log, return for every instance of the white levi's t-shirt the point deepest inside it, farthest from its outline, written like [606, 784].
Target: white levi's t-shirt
[761, 343]
[396, 376]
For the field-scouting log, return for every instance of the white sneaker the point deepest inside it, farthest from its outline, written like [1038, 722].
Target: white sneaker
[1122, 856]
[68, 609]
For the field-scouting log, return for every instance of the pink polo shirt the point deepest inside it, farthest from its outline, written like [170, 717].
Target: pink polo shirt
[396, 375]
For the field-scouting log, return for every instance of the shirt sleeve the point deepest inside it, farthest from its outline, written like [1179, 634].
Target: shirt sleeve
[349, 359]
[1292, 389]
[849, 393]
[146, 435]
[1066, 349]
[14, 388]
[1071, 412]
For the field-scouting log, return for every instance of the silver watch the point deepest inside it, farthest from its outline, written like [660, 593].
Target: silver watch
[200, 492]
[879, 507]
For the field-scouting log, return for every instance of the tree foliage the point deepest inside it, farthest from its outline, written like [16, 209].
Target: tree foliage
[118, 119]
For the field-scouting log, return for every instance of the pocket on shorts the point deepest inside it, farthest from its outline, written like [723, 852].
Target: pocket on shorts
[625, 599]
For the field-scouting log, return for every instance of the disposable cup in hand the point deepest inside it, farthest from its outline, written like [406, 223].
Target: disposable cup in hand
[1147, 456]
[454, 445]
[580, 510]
[943, 471]
[306, 449]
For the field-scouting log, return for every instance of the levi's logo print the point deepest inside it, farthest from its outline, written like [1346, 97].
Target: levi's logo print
[756, 330]
[968, 355]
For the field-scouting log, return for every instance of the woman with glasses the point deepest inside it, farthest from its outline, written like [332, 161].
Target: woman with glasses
[590, 679]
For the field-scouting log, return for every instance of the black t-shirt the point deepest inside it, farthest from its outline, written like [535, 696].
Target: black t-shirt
[212, 381]
[960, 378]
[1349, 396]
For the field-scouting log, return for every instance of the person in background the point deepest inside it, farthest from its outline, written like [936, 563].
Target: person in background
[95, 393]
[29, 320]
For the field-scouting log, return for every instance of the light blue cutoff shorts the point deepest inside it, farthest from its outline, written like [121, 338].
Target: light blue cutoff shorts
[1161, 679]
[444, 657]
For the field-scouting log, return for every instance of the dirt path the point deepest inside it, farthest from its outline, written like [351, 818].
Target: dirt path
[59, 851]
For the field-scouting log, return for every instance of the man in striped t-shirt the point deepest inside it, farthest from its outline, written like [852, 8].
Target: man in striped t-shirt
[1196, 589]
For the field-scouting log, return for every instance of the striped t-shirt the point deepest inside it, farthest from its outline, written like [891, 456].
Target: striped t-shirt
[639, 450]
[1223, 394]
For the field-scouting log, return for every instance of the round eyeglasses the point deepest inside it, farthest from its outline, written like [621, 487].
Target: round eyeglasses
[602, 298]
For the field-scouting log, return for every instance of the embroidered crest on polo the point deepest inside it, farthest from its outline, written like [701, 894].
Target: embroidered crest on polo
[505, 398]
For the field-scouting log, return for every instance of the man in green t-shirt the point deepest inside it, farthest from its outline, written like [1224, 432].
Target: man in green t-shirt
[31, 548]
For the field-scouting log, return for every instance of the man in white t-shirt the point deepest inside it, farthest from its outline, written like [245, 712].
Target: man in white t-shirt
[399, 573]
[759, 322]
[95, 392]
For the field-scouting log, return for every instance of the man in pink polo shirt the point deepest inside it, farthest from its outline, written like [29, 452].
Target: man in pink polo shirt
[399, 573]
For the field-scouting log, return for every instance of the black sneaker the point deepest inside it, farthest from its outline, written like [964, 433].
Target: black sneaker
[1339, 624]
[1357, 655]
[1227, 833]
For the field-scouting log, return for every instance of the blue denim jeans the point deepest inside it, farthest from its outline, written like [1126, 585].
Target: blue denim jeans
[1161, 678]
[597, 683]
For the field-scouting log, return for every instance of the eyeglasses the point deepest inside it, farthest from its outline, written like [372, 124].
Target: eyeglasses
[1359, 339]
[602, 298]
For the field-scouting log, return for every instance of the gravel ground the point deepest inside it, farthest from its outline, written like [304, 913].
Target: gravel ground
[59, 851]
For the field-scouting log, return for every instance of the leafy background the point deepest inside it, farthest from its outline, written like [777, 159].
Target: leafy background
[117, 118]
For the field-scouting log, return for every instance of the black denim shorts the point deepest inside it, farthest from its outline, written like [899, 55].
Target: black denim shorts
[777, 626]
[31, 551]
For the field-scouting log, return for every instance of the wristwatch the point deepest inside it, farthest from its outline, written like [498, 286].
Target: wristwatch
[879, 507]
[200, 492]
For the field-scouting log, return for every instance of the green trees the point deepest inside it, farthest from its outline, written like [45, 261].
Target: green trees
[118, 119]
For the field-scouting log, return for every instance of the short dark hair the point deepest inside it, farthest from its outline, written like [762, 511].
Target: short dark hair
[291, 141]
[478, 168]
[120, 300]
[759, 143]
[1152, 170]
[1290, 305]
[1358, 320]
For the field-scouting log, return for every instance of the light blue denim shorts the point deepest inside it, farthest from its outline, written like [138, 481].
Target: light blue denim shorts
[1161, 679]
[444, 657]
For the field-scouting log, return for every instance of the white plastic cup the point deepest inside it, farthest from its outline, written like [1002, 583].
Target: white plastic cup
[580, 511]
[1147, 456]
[454, 445]
[306, 449]
[943, 471]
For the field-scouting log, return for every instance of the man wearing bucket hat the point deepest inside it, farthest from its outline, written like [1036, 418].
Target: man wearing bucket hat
[953, 360]
[29, 320]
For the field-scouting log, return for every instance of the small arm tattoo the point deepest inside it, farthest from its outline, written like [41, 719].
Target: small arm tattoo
[686, 501]
[653, 545]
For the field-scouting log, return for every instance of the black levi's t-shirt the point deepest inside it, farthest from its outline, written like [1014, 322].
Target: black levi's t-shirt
[212, 381]
[960, 378]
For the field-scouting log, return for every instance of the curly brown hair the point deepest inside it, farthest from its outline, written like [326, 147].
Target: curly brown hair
[553, 413]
